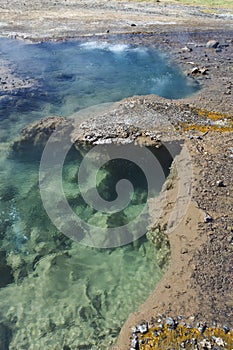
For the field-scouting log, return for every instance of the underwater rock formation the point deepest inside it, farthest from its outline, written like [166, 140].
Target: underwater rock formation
[5, 271]
[36, 135]
[160, 240]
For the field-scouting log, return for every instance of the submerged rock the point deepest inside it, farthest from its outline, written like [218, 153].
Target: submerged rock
[5, 336]
[8, 192]
[157, 235]
[34, 136]
[5, 272]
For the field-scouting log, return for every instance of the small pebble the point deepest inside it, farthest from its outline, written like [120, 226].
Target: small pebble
[219, 342]
[143, 328]
[208, 218]
[226, 329]
[220, 183]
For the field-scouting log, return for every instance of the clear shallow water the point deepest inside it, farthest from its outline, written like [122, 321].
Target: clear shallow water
[71, 75]
[55, 292]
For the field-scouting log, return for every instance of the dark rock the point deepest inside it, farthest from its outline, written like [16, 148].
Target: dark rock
[195, 70]
[226, 329]
[171, 323]
[8, 192]
[220, 183]
[201, 327]
[5, 336]
[5, 271]
[208, 218]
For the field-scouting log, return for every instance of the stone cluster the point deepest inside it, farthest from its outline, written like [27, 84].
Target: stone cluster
[177, 333]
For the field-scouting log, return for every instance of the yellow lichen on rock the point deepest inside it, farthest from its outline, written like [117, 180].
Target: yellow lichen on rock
[205, 128]
[208, 121]
[185, 337]
[210, 114]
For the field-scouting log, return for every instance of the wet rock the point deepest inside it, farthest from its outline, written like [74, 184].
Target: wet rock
[18, 266]
[5, 271]
[203, 70]
[212, 44]
[160, 240]
[8, 192]
[66, 347]
[35, 135]
[5, 336]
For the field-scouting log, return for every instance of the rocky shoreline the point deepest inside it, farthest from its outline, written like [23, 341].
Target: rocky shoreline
[198, 282]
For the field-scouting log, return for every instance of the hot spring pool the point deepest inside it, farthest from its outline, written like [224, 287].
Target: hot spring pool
[56, 293]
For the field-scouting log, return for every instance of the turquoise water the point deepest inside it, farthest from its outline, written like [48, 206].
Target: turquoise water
[56, 293]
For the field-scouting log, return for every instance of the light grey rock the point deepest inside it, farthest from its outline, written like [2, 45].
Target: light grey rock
[208, 218]
[143, 327]
[212, 44]
[186, 49]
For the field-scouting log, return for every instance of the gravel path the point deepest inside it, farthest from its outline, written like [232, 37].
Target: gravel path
[60, 18]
